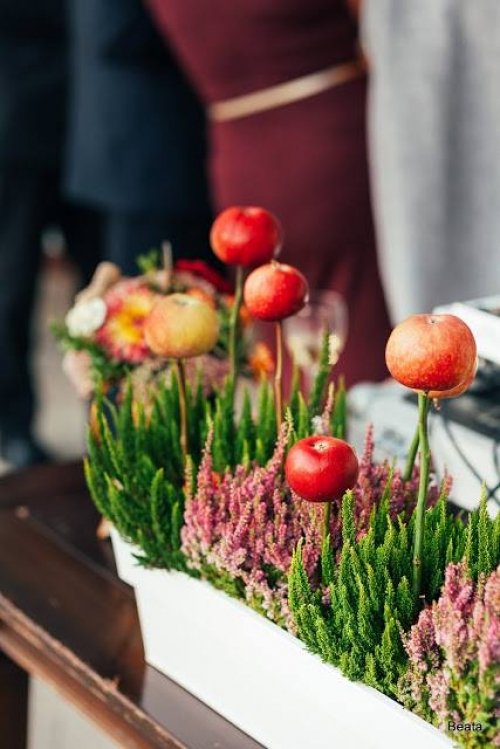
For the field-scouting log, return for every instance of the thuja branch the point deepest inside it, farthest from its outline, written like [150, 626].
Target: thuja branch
[425, 456]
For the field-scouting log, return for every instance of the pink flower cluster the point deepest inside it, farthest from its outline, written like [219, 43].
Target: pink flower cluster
[247, 523]
[454, 652]
[128, 303]
[368, 492]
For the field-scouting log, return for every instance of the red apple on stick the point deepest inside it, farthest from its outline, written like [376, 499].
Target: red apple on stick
[435, 355]
[246, 235]
[458, 389]
[321, 469]
[275, 291]
[431, 352]
[180, 327]
[272, 293]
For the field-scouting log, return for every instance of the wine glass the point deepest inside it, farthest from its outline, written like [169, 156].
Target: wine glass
[303, 333]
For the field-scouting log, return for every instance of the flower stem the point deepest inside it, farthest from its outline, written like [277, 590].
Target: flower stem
[278, 374]
[234, 325]
[181, 376]
[425, 455]
[326, 522]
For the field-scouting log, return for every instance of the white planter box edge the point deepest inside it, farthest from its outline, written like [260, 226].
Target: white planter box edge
[255, 674]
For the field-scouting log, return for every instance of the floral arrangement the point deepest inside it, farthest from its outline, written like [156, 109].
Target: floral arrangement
[264, 497]
[104, 332]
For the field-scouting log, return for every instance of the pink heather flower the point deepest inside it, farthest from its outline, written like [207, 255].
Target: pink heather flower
[368, 492]
[454, 655]
[452, 614]
[247, 522]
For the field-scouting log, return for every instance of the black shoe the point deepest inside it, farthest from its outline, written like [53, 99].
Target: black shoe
[22, 451]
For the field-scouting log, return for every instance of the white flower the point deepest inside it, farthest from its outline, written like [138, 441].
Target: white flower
[86, 317]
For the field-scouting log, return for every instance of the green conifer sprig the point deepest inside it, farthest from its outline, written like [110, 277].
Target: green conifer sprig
[370, 586]
[318, 389]
[135, 469]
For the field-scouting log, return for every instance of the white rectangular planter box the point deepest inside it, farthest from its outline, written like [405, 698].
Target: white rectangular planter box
[258, 676]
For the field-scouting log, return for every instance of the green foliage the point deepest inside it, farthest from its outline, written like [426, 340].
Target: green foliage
[103, 369]
[135, 468]
[339, 413]
[149, 262]
[482, 540]
[318, 389]
[134, 474]
[370, 586]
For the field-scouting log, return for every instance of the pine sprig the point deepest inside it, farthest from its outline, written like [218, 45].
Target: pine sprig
[371, 599]
[319, 386]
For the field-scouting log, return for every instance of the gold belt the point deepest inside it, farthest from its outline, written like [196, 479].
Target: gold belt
[285, 93]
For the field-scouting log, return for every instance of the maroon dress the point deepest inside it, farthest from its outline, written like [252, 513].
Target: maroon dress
[305, 161]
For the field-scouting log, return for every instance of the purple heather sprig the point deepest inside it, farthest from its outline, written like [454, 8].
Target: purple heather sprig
[454, 652]
[246, 523]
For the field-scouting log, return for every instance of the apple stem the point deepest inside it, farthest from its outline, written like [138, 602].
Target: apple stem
[181, 376]
[326, 521]
[425, 459]
[278, 374]
[233, 325]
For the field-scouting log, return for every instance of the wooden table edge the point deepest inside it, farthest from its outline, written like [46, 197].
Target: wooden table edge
[39, 654]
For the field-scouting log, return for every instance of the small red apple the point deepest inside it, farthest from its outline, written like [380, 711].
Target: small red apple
[275, 291]
[459, 389]
[246, 235]
[431, 352]
[181, 326]
[321, 469]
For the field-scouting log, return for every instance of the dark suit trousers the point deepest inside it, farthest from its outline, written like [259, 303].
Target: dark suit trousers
[128, 235]
[29, 202]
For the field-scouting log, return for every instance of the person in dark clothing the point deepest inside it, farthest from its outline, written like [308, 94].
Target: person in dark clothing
[137, 146]
[33, 89]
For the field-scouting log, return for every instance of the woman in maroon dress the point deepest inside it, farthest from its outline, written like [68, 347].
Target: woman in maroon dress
[298, 150]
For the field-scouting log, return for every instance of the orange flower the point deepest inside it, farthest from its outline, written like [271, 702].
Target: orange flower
[261, 360]
[122, 335]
